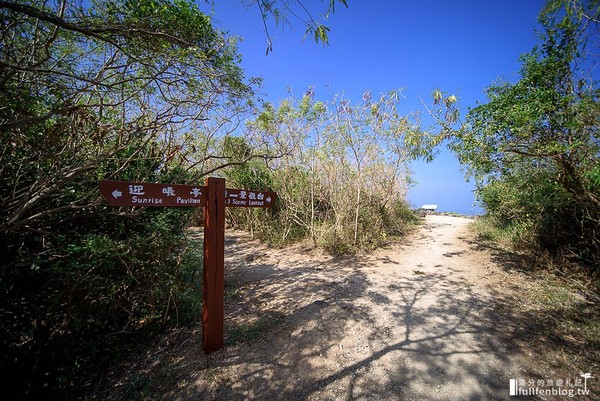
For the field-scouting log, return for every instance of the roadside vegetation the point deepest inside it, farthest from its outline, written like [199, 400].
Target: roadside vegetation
[533, 147]
[90, 91]
[150, 90]
[343, 182]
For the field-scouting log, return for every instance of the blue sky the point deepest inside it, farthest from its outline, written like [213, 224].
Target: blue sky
[459, 46]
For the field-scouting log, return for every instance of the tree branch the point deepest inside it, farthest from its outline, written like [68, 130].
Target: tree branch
[102, 34]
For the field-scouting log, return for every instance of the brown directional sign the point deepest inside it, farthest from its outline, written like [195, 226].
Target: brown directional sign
[249, 198]
[130, 193]
[214, 197]
[127, 193]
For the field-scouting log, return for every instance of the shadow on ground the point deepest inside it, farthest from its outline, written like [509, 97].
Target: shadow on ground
[347, 328]
[330, 332]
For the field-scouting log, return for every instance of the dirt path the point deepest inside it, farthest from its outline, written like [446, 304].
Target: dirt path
[411, 322]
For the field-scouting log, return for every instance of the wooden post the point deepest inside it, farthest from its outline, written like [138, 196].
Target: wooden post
[212, 198]
[213, 311]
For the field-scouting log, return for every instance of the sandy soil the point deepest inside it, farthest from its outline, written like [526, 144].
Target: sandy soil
[439, 316]
[410, 322]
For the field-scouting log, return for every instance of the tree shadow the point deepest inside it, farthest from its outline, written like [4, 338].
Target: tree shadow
[340, 334]
[543, 315]
[317, 328]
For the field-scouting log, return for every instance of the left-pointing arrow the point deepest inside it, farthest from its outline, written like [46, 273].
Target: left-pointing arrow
[117, 194]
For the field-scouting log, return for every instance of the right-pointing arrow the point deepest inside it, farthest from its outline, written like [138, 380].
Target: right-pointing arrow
[117, 194]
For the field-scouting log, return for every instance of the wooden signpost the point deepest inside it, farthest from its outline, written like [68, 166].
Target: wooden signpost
[214, 197]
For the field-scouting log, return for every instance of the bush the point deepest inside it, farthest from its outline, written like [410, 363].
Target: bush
[532, 211]
[80, 288]
[81, 282]
[327, 219]
[91, 295]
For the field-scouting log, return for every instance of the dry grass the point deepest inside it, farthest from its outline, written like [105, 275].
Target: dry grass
[553, 310]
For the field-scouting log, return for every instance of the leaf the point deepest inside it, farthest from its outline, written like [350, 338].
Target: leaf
[332, 5]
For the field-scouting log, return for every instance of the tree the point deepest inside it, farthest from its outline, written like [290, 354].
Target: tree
[88, 91]
[280, 12]
[543, 131]
[365, 131]
[82, 85]
[343, 180]
[584, 12]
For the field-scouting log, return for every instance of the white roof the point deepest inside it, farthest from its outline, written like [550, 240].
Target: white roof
[432, 206]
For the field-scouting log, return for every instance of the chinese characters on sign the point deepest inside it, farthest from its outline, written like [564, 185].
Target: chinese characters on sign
[123, 193]
[214, 197]
[245, 198]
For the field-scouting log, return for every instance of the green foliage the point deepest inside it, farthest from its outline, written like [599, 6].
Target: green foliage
[271, 9]
[108, 90]
[179, 18]
[76, 296]
[534, 146]
[342, 177]
[103, 284]
[533, 210]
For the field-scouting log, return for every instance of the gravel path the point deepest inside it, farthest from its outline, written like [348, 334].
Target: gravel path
[411, 322]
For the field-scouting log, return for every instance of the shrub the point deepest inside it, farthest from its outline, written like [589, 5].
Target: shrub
[531, 210]
[90, 295]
